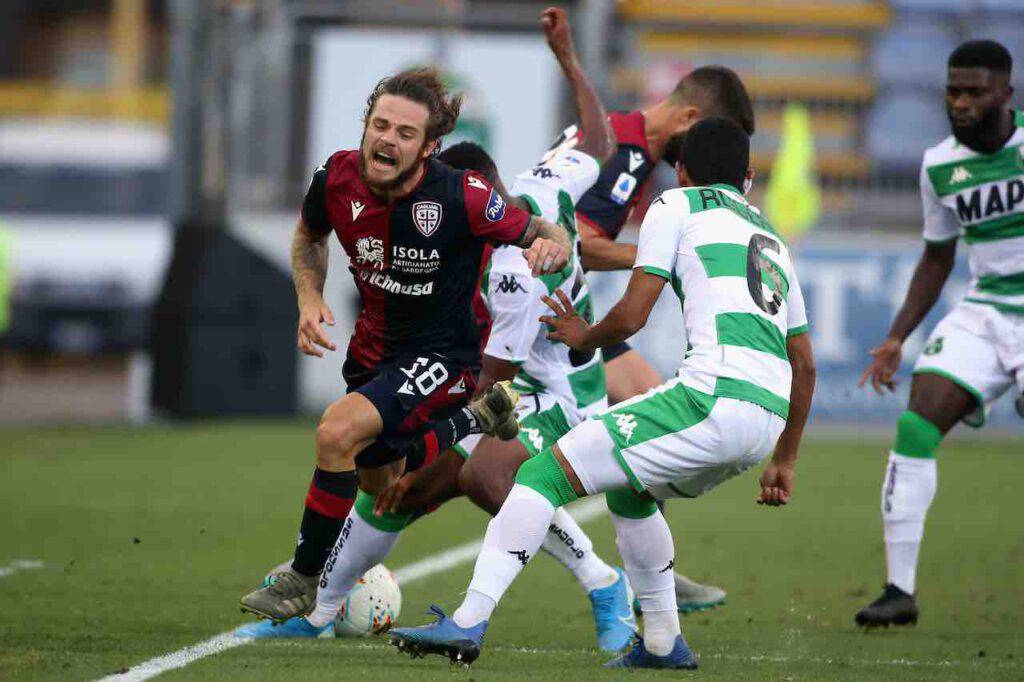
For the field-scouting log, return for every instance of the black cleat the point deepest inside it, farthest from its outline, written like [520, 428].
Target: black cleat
[894, 607]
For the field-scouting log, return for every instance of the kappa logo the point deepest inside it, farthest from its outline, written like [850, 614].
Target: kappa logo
[509, 285]
[426, 215]
[521, 555]
[475, 182]
[671, 565]
[536, 440]
[960, 174]
[933, 348]
[636, 159]
[357, 208]
[370, 250]
[626, 424]
[495, 210]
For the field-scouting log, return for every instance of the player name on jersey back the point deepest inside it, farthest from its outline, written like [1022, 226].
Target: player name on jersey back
[741, 299]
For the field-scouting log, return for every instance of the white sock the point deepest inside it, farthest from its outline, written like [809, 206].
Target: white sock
[647, 551]
[359, 548]
[907, 492]
[567, 542]
[513, 538]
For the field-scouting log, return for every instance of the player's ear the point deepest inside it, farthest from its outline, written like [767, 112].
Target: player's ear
[431, 148]
[682, 176]
[690, 115]
[748, 181]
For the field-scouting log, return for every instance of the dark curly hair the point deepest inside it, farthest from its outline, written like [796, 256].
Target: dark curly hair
[425, 86]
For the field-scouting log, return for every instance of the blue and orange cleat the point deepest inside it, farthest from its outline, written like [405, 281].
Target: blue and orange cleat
[680, 658]
[613, 614]
[292, 628]
[442, 637]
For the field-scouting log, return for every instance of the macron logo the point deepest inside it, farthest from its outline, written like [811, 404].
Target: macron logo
[626, 424]
[475, 182]
[357, 208]
[636, 159]
[959, 174]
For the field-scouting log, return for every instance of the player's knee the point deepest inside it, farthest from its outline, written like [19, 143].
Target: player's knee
[481, 485]
[916, 436]
[628, 504]
[335, 440]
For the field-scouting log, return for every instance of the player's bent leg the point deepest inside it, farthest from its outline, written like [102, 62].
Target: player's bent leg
[432, 485]
[365, 540]
[488, 477]
[629, 375]
[936, 405]
[645, 543]
[346, 427]
[513, 538]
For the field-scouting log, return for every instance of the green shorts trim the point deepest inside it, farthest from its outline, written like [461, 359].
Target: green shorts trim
[463, 452]
[667, 411]
[541, 429]
[962, 384]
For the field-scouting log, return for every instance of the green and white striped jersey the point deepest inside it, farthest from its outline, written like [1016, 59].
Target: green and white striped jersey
[741, 299]
[981, 198]
[513, 295]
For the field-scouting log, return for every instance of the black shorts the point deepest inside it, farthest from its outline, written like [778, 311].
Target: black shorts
[615, 350]
[410, 392]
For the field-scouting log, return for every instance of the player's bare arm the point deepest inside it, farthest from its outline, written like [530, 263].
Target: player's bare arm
[493, 370]
[546, 246]
[309, 272]
[779, 476]
[626, 318]
[597, 252]
[925, 286]
[598, 138]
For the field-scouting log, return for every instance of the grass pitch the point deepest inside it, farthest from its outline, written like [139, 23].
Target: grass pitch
[148, 537]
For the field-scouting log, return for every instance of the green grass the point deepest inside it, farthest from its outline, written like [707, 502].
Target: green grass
[150, 536]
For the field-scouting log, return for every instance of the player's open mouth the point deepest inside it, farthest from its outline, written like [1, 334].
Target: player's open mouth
[382, 159]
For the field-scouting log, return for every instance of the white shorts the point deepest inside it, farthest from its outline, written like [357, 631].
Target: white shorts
[672, 441]
[980, 349]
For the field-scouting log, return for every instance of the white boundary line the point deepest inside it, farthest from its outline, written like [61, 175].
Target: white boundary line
[582, 511]
[19, 565]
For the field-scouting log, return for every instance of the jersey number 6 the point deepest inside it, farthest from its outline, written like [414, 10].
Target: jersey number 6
[756, 263]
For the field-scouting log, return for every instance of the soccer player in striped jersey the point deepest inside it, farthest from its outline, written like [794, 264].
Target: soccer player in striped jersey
[743, 391]
[972, 187]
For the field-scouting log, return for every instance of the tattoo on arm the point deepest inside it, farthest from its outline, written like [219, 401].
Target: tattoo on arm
[540, 228]
[309, 260]
[530, 233]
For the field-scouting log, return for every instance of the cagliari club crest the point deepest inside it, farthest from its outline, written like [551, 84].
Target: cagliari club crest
[426, 215]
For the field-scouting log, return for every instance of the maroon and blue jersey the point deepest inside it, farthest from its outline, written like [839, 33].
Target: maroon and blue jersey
[417, 260]
[606, 206]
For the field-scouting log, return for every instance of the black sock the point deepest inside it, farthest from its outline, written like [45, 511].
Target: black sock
[329, 500]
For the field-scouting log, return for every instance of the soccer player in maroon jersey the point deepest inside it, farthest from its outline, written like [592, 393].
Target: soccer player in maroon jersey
[415, 232]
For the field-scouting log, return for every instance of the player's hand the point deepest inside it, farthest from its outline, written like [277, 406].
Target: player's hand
[312, 312]
[776, 484]
[545, 256]
[883, 368]
[389, 500]
[569, 327]
[557, 32]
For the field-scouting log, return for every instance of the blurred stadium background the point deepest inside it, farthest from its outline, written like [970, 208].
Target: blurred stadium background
[125, 124]
[153, 156]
